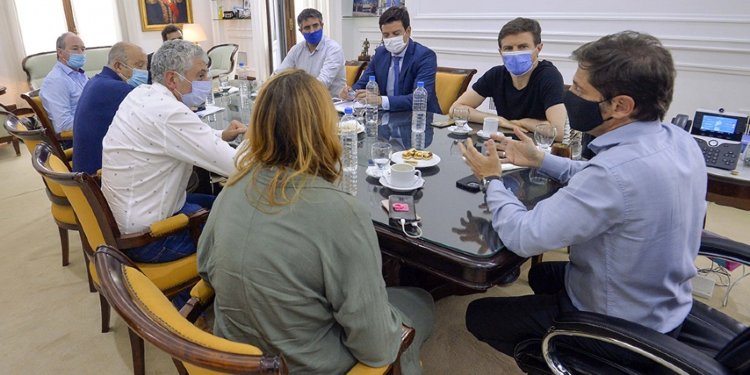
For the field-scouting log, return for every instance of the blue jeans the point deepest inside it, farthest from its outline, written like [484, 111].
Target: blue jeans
[176, 246]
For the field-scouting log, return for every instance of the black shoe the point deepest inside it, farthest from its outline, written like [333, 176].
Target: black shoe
[510, 277]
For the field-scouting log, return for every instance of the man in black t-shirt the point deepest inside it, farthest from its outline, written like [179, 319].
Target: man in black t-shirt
[526, 91]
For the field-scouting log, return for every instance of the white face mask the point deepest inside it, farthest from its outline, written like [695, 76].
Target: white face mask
[395, 45]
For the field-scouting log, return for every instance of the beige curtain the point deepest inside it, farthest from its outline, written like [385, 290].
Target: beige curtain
[12, 75]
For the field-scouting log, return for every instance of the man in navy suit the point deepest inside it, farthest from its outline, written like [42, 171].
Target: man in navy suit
[398, 65]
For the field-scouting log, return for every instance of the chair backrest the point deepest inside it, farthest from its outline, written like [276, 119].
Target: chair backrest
[354, 69]
[31, 138]
[83, 193]
[221, 59]
[38, 65]
[35, 102]
[152, 316]
[450, 83]
[736, 354]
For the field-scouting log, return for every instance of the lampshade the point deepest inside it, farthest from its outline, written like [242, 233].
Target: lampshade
[193, 32]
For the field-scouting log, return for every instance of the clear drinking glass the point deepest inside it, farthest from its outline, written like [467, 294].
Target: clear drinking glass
[224, 83]
[461, 117]
[381, 155]
[359, 110]
[544, 135]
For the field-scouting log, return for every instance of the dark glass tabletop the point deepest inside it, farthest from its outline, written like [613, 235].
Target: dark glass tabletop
[450, 217]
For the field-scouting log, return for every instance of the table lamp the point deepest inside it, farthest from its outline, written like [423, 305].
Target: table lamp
[193, 32]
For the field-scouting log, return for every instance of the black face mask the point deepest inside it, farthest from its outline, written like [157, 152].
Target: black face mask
[583, 114]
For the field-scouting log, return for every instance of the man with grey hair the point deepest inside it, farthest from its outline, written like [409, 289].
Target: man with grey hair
[125, 70]
[64, 84]
[318, 55]
[152, 145]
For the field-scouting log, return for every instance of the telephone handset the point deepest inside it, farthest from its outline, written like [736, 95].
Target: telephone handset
[683, 121]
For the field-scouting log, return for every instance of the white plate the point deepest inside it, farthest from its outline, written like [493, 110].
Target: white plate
[397, 157]
[418, 183]
[483, 135]
[454, 129]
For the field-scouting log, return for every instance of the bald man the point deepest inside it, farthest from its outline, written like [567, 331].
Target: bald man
[125, 70]
[63, 85]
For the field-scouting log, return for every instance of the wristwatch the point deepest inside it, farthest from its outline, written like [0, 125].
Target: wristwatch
[486, 182]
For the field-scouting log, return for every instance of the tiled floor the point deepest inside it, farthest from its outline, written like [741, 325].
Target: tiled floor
[49, 322]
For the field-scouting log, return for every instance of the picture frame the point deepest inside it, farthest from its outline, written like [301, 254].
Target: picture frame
[155, 14]
[373, 8]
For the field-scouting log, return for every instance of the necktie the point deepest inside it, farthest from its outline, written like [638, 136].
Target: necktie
[396, 73]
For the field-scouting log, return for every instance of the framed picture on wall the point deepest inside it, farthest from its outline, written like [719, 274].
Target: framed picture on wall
[155, 14]
[365, 8]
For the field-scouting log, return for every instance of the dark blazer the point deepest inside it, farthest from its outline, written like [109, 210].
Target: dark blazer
[419, 64]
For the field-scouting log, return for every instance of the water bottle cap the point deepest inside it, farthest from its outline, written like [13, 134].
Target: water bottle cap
[242, 65]
[420, 84]
[372, 78]
[348, 110]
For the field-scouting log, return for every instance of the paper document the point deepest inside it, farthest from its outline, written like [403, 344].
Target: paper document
[510, 167]
[340, 106]
[209, 110]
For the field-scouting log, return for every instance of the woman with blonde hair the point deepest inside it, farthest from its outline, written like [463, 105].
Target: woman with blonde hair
[294, 261]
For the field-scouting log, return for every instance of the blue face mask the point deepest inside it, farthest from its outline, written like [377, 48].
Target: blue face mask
[76, 61]
[313, 37]
[197, 96]
[139, 77]
[518, 63]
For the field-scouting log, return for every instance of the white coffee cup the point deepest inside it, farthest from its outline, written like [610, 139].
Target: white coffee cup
[489, 126]
[402, 175]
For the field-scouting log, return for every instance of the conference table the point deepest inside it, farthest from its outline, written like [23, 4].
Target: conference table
[458, 246]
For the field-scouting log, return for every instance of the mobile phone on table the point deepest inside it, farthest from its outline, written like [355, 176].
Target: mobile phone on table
[469, 183]
[401, 207]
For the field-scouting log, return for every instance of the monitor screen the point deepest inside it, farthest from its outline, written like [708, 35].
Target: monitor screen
[719, 124]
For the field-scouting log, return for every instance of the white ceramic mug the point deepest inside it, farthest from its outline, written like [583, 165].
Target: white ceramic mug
[489, 126]
[402, 175]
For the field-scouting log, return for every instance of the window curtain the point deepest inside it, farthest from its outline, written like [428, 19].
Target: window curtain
[12, 75]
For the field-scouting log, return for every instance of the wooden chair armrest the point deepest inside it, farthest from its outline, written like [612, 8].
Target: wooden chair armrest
[23, 112]
[197, 220]
[407, 337]
[169, 225]
[65, 135]
[201, 297]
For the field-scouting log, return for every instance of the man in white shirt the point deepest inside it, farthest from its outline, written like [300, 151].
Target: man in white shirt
[318, 55]
[154, 142]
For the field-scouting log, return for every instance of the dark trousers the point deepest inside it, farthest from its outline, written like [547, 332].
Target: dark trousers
[504, 322]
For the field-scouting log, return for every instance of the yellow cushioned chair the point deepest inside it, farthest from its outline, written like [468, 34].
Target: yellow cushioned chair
[221, 59]
[61, 210]
[354, 69]
[150, 315]
[450, 83]
[6, 137]
[54, 138]
[202, 295]
[98, 227]
[38, 65]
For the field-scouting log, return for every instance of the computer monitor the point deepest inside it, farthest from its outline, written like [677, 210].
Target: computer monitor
[722, 125]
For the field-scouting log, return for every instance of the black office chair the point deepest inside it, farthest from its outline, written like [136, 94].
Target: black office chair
[709, 342]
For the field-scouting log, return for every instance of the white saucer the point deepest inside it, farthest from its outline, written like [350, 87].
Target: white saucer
[483, 135]
[397, 157]
[418, 183]
[374, 171]
[454, 129]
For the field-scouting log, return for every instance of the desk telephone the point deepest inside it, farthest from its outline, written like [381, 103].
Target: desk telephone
[719, 135]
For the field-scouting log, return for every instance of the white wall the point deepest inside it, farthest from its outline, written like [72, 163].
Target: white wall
[710, 41]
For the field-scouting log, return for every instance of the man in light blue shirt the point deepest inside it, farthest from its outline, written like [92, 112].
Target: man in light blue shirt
[64, 83]
[632, 215]
[318, 55]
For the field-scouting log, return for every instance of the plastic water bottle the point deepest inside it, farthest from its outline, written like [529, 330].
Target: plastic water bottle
[348, 135]
[419, 109]
[242, 72]
[371, 111]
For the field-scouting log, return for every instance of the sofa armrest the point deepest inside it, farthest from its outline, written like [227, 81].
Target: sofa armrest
[662, 349]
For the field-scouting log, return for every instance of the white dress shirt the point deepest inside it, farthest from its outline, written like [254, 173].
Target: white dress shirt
[148, 155]
[326, 63]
